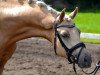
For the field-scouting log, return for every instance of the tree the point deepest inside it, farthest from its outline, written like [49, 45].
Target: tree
[82, 4]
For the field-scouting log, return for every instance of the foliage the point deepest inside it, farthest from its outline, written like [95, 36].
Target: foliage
[70, 4]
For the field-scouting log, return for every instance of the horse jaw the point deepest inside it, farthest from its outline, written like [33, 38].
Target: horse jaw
[60, 50]
[84, 61]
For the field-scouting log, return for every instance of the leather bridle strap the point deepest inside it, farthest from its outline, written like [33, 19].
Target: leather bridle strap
[67, 50]
[71, 50]
[95, 69]
[72, 59]
[55, 33]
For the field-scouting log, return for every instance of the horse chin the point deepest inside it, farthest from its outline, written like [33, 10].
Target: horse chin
[85, 60]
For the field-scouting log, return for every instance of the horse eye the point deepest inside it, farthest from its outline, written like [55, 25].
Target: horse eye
[66, 35]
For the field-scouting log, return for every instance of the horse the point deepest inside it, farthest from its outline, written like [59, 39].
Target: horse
[22, 20]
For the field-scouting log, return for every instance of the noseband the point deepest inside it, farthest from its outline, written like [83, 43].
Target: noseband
[72, 59]
[69, 51]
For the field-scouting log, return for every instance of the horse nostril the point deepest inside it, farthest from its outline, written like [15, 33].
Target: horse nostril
[85, 60]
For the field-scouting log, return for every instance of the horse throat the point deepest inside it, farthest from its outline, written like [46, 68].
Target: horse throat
[24, 24]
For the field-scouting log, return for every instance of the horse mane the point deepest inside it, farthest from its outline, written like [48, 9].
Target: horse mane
[42, 4]
[48, 7]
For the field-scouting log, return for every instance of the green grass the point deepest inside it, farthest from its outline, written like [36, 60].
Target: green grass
[90, 40]
[88, 22]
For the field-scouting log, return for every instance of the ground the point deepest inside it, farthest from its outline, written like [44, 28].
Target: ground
[36, 56]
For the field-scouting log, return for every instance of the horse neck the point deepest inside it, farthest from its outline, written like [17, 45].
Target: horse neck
[30, 29]
[34, 24]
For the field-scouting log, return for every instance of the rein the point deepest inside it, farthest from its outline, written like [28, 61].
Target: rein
[95, 69]
[71, 58]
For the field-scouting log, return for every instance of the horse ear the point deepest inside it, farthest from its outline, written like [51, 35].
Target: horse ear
[73, 14]
[61, 16]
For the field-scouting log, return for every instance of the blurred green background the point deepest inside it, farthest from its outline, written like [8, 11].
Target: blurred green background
[88, 17]
[84, 5]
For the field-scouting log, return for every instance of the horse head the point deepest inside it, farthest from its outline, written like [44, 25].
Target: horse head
[69, 34]
[67, 31]
[36, 19]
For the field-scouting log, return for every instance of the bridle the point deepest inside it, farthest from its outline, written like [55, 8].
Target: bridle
[71, 58]
[95, 69]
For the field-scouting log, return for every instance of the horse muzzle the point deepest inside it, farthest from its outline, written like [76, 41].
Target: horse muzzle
[84, 60]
